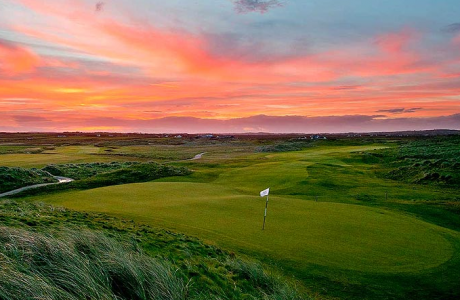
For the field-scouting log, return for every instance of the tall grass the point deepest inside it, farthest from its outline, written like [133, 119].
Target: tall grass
[270, 285]
[81, 265]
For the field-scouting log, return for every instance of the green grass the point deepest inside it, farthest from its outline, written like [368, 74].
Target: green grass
[54, 253]
[86, 170]
[61, 155]
[297, 230]
[435, 162]
[353, 243]
[13, 178]
[367, 237]
[93, 175]
[81, 265]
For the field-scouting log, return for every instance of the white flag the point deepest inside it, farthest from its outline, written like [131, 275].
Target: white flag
[264, 192]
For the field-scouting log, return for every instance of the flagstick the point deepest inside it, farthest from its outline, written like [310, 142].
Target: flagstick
[265, 214]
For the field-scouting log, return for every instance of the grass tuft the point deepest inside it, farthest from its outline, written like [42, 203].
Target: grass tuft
[81, 265]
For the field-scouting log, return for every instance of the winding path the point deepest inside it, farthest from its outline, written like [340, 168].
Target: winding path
[17, 191]
[61, 180]
[198, 156]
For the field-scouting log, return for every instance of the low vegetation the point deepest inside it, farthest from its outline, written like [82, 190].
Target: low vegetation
[141, 172]
[424, 161]
[54, 253]
[13, 178]
[291, 145]
[86, 170]
[106, 174]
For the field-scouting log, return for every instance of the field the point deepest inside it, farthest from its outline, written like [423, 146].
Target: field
[335, 221]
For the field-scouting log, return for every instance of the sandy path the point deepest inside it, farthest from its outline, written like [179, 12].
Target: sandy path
[16, 191]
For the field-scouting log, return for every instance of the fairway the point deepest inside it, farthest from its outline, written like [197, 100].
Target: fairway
[329, 234]
[61, 155]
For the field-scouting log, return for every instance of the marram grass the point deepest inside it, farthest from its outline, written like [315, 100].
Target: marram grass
[85, 264]
[81, 265]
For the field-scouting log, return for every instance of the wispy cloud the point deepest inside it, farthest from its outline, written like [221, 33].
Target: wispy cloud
[400, 110]
[451, 28]
[261, 6]
[100, 6]
[21, 119]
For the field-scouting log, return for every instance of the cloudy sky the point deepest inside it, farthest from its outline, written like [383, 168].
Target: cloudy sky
[229, 65]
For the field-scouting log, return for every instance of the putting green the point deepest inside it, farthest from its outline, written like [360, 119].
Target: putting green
[305, 232]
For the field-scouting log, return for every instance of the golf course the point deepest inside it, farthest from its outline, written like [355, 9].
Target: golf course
[333, 223]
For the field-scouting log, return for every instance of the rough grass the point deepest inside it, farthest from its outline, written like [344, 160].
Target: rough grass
[13, 178]
[433, 161]
[291, 145]
[86, 170]
[107, 174]
[49, 252]
[81, 265]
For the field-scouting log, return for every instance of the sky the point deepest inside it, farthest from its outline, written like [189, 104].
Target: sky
[229, 65]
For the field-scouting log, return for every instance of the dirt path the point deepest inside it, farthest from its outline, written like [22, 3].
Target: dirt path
[17, 191]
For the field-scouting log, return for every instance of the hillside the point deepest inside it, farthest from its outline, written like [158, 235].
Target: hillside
[55, 253]
[13, 178]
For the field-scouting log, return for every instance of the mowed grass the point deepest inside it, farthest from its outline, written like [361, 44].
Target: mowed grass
[329, 234]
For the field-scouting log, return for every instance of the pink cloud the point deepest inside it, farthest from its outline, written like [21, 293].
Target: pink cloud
[396, 42]
[15, 59]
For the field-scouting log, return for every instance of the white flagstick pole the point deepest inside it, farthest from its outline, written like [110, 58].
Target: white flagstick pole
[265, 214]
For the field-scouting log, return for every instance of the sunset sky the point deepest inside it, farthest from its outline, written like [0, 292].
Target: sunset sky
[229, 65]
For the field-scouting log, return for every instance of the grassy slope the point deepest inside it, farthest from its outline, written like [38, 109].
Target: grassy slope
[297, 230]
[13, 178]
[90, 153]
[337, 247]
[434, 161]
[64, 254]
[61, 155]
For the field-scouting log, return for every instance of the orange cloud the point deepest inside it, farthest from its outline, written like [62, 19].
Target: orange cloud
[116, 69]
[16, 60]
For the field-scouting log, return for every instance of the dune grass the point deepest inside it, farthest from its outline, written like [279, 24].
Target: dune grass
[13, 178]
[81, 265]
